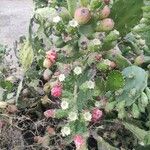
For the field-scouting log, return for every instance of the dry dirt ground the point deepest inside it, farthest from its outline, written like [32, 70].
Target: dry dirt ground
[14, 19]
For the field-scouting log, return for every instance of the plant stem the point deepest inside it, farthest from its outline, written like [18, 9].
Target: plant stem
[75, 95]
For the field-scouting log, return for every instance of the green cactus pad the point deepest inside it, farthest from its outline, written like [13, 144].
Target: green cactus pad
[115, 80]
[135, 83]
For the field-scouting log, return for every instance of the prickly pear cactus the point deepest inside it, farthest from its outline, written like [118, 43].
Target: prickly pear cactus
[76, 35]
[85, 66]
[135, 83]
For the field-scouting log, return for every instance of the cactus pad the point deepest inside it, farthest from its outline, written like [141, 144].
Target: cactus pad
[135, 83]
[115, 80]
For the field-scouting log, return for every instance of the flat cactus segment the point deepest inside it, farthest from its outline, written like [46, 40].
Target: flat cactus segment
[135, 83]
[115, 80]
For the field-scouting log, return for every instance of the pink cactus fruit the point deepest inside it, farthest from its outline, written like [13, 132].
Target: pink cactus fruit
[79, 141]
[105, 12]
[96, 114]
[50, 113]
[82, 15]
[51, 55]
[107, 24]
[56, 91]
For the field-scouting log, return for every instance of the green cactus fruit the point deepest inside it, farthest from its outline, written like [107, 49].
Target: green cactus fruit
[82, 15]
[146, 8]
[146, 15]
[120, 61]
[135, 111]
[64, 14]
[135, 83]
[141, 108]
[144, 21]
[141, 28]
[104, 65]
[47, 87]
[122, 114]
[120, 105]
[142, 60]
[115, 81]
[95, 45]
[144, 99]
[110, 106]
[112, 36]
[105, 25]
[147, 90]
[147, 139]
[110, 40]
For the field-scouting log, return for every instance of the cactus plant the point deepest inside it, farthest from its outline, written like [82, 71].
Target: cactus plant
[84, 69]
[135, 83]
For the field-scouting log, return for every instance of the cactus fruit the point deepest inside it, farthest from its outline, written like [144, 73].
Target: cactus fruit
[49, 113]
[105, 65]
[135, 83]
[106, 2]
[135, 111]
[144, 99]
[79, 141]
[96, 114]
[105, 12]
[89, 68]
[47, 74]
[47, 63]
[105, 25]
[56, 91]
[147, 90]
[82, 15]
[117, 57]
[64, 14]
[142, 60]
